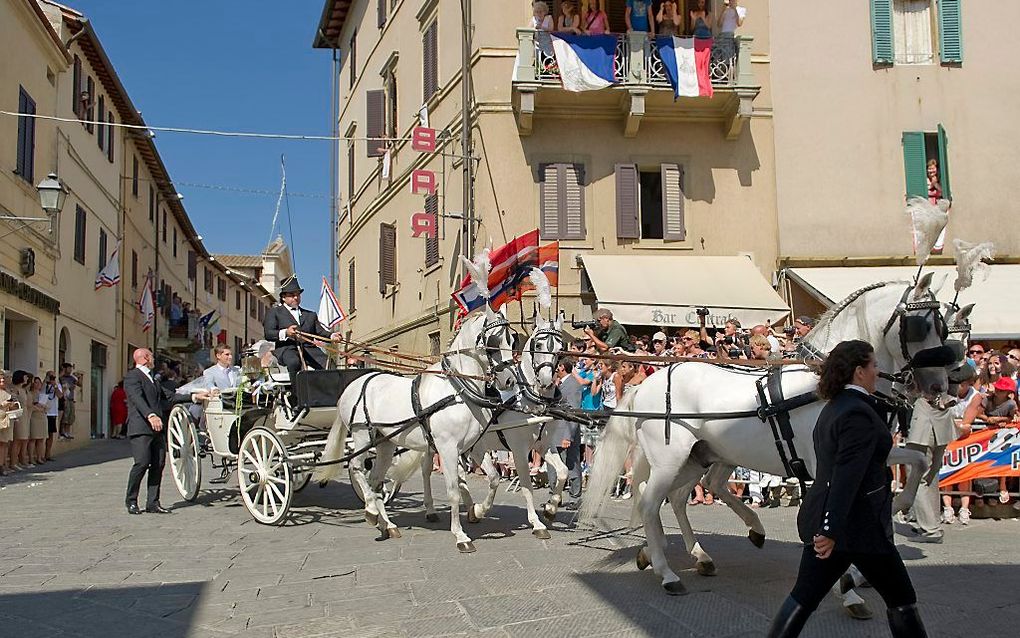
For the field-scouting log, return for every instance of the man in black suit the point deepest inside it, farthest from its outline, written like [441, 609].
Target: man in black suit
[147, 410]
[283, 322]
[846, 517]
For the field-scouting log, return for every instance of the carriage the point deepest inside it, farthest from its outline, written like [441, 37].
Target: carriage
[270, 430]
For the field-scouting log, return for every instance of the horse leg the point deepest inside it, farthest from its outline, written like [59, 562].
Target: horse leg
[660, 482]
[377, 478]
[426, 490]
[688, 478]
[451, 473]
[480, 510]
[552, 457]
[361, 438]
[716, 480]
[521, 448]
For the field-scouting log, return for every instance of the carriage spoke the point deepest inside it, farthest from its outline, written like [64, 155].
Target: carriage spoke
[272, 502]
[251, 459]
[176, 433]
[273, 490]
[277, 480]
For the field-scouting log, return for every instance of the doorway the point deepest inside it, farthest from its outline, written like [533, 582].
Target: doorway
[21, 343]
[97, 387]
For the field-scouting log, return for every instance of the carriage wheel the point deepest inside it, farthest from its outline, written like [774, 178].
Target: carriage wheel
[389, 489]
[264, 476]
[183, 451]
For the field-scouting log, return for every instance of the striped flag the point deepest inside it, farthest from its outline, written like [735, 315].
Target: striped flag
[330, 313]
[687, 62]
[109, 276]
[147, 304]
[511, 265]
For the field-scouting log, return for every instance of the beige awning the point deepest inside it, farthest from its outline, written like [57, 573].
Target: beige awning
[997, 308]
[667, 290]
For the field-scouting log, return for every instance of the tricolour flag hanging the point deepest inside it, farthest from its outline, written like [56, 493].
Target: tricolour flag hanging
[147, 304]
[330, 313]
[109, 276]
[687, 62]
[585, 61]
[511, 265]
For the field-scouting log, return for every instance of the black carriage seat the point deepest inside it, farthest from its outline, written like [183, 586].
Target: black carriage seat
[322, 388]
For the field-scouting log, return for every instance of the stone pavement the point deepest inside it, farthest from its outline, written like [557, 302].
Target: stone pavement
[74, 563]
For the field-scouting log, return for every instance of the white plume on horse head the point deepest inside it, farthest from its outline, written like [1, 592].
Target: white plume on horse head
[543, 293]
[970, 262]
[479, 269]
[928, 221]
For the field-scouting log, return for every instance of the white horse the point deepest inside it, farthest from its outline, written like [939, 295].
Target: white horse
[897, 318]
[380, 411]
[535, 385]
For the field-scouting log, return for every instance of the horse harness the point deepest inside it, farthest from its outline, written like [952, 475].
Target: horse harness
[775, 410]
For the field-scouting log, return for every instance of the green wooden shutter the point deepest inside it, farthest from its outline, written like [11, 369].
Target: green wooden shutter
[881, 32]
[914, 164]
[944, 163]
[950, 31]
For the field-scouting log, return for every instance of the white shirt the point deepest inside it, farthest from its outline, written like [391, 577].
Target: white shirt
[52, 402]
[851, 386]
[774, 343]
[294, 312]
[145, 370]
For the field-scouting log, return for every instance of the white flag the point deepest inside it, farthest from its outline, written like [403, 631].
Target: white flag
[330, 314]
[147, 305]
[109, 276]
[387, 160]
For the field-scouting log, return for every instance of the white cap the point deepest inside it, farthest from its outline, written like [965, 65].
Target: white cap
[659, 336]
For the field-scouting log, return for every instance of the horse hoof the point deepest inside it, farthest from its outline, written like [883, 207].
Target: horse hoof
[859, 611]
[323, 484]
[371, 519]
[393, 532]
[642, 560]
[542, 534]
[676, 588]
[471, 518]
[706, 569]
[549, 516]
[432, 518]
[466, 548]
[758, 540]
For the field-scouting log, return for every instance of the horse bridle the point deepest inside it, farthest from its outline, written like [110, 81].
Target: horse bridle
[914, 329]
[552, 343]
[493, 343]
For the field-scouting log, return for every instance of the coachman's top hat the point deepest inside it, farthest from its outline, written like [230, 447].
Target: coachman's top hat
[291, 286]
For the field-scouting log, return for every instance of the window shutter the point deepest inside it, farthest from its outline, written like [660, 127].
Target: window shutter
[350, 172]
[351, 297]
[376, 121]
[22, 136]
[673, 225]
[192, 265]
[76, 88]
[950, 31]
[109, 137]
[549, 201]
[387, 256]
[90, 112]
[432, 243]
[134, 269]
[572, 189]
[430, 70]
[914, 164]
[944, 164]
[352, 58]
[134, 176]
[102, 249]
[881, 32]
[628, 195]
[381, 17]
[101, 128]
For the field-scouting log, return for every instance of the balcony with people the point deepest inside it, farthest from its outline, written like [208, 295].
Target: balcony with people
[673, 60]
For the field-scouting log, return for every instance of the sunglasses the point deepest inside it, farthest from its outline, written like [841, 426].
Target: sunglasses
[975, 352]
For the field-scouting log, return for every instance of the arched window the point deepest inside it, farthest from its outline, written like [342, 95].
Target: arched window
[63, 348]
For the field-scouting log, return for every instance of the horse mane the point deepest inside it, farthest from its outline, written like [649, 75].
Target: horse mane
[825, 321]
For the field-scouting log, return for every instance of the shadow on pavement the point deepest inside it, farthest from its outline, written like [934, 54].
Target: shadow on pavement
[97, 453]
[126, 612]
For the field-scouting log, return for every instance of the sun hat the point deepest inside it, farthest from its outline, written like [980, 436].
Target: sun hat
[1005, 384]
[659, 336]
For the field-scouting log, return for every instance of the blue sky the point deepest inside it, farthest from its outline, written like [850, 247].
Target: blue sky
[239, 66]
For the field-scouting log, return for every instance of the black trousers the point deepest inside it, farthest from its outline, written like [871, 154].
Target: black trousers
[149, 451]
[314, 359]
[885, 572]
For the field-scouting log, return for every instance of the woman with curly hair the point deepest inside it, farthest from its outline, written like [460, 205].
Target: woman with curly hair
[846, 518]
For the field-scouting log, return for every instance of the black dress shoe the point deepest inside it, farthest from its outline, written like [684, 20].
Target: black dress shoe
[133, 509]
[157, 509]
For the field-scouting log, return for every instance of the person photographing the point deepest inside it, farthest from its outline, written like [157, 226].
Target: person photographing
[846, 518]
[608, 333]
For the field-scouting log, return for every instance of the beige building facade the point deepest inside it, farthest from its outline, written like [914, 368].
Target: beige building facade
[622, 171]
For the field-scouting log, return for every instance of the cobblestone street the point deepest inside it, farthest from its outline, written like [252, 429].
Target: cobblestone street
[74, 563]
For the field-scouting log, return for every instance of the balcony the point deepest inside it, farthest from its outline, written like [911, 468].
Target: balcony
[183, 338]
[642, 90]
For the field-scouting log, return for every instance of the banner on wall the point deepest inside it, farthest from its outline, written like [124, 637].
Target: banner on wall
[987, 453]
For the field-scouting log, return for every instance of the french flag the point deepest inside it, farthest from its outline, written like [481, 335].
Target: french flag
[585, 61]
[687, 61]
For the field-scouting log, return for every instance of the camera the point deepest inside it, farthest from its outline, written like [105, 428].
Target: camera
[729, 340]
[735, 353]
[789, 331]
[702, 312]
[581, 325]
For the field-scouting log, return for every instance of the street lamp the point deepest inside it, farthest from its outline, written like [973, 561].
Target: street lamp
[52, 194]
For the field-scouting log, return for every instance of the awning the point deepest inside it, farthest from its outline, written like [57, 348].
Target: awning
[996, 313]
[667, 290]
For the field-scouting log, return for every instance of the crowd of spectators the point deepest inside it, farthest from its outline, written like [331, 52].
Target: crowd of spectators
[657, 18]
[34, 411]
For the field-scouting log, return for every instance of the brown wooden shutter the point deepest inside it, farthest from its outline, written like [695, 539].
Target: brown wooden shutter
[192, 265]
[90, 112]
[387, 256]
[352, 58]
[351, 295]
[109, 137]
[375, 102]
[572, 201]
[381, 13]
[628, 200]
[673, 203]
[350, 171]
[549, 201]
[432, 243]
[76, 88]
[430, 61]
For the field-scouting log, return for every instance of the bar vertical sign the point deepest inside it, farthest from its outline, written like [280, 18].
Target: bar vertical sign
[423, 182]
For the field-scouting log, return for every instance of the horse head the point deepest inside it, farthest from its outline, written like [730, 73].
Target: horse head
[495, 339]
[541, 352]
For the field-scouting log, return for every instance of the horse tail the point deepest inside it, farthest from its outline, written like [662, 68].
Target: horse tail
[333, 451]
[407, 464]
[610, 455]
[639, 472]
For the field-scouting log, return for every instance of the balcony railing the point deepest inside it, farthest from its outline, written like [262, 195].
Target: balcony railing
[636, 61]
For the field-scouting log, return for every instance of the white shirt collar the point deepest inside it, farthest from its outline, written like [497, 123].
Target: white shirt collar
[851, 386]
[145, 370]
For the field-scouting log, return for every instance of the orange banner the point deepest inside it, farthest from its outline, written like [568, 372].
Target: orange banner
[989, 453]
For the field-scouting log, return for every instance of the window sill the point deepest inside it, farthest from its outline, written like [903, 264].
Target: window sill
[391, 290]
[433, 268]
[660, 244]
